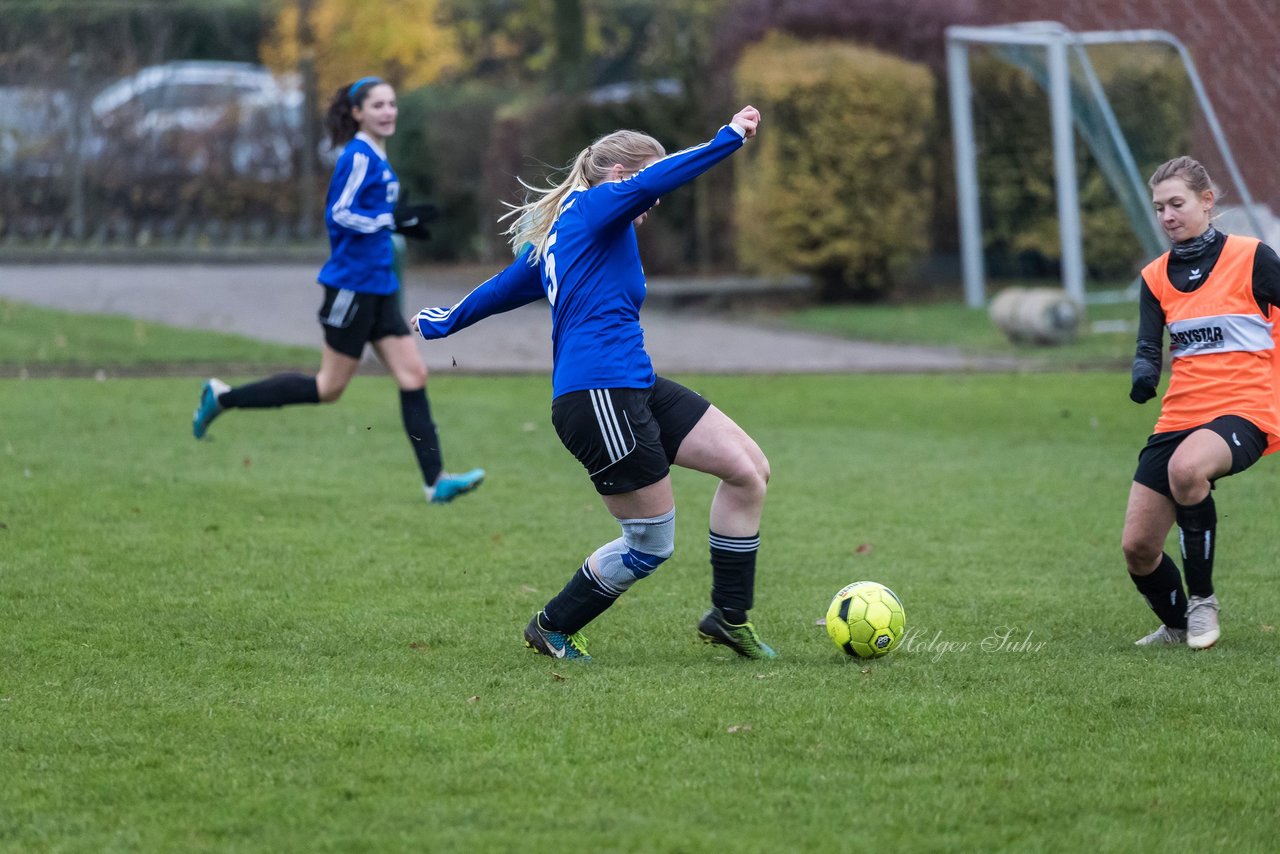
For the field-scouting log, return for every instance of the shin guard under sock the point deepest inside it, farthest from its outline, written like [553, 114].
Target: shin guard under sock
[1197, 525]
[1163, 591]
[415, 412]
[580, 602]
[279, 390]
[733, 574]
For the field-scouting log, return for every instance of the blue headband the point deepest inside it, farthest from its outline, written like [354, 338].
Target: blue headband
[355, 87]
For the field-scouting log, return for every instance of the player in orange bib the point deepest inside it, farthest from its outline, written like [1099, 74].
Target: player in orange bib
[1218, 295]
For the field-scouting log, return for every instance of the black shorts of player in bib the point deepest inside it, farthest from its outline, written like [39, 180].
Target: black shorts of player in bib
[1243, 437]
[352, 318]
[627, 438]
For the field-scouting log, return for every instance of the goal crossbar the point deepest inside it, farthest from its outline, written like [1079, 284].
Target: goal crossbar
[1084, 106]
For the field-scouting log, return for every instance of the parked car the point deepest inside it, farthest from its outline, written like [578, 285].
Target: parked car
[190, 118]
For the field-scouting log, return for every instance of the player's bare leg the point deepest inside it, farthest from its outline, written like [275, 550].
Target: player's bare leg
[718, 446]
[336, 371]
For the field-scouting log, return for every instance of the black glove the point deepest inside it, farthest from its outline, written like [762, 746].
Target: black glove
[411, 220]
[1146, 370]
[1142, 391]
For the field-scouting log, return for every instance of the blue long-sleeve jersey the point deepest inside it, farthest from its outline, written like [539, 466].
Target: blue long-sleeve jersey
[360, 215]
[591, 275]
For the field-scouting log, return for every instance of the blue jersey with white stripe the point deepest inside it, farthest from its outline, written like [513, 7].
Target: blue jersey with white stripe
[359, 213]
[591, 275]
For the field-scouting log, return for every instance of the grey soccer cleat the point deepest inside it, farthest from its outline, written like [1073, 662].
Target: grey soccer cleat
[1163, 636]
[1203, 630]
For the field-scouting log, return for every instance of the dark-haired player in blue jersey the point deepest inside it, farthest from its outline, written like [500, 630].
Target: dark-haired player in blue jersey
[576, 247]
[361, 290]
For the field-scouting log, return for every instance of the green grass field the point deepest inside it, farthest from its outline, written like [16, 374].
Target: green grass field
[40, 340]
[955, 325]
[268, 641]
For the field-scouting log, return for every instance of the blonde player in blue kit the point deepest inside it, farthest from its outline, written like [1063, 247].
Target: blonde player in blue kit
[361, 301]
[576, 248]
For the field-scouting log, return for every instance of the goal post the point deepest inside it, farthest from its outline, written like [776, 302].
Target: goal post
[1058, 58]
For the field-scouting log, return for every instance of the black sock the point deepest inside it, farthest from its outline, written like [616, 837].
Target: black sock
[415, 411]
[580, 602]
[733, 574]
[1198, 525]
[279, 390]
[1163, 591]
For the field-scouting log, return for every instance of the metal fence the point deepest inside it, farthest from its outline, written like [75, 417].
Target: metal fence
[189, 153]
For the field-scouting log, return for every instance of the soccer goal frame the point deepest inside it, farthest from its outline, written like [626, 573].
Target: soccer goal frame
[1063, 46]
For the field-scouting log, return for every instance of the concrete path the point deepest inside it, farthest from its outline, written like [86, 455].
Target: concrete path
[279, 303]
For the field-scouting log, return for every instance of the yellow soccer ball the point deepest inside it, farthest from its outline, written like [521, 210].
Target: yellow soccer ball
[866, 620]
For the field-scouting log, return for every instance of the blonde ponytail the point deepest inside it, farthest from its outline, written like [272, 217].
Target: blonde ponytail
[532, 221]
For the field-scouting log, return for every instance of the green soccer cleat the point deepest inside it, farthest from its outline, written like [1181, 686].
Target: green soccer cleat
[209, 407]
[742, 639]
[553, 643]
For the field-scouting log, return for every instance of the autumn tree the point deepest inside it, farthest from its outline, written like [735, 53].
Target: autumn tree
[404, 41]
[566, 45]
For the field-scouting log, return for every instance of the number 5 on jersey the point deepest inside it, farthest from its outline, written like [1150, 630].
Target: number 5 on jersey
[553, 286]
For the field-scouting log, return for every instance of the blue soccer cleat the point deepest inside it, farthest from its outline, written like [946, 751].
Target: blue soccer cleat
[553, 643]
[209, 407]
[449, 486]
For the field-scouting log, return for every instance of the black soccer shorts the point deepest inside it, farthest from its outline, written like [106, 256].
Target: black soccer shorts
[351, 319]
[1243, 437]
[627, 438]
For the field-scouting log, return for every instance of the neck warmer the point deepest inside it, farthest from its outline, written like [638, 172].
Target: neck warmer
[1196, 245]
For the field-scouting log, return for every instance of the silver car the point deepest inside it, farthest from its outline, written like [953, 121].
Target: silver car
[224, 119]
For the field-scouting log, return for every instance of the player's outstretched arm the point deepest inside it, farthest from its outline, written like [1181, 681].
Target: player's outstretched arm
[683, 166]
[622, 201]
[518, 285]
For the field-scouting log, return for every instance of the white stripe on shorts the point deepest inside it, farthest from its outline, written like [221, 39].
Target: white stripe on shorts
[340, 309]
[607, 420]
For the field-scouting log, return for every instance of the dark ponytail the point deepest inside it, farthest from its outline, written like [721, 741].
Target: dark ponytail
[338, 121]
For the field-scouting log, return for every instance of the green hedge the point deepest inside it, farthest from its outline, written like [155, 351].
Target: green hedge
[439, 155]
[839, 182]
[1152, 100]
